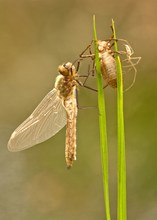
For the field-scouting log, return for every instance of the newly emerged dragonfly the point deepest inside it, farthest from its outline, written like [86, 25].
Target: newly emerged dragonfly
[57, 109]
[107, 60]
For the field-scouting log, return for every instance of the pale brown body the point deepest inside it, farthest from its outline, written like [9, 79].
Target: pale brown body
[57, 109]
[66, 85]
[108, 63]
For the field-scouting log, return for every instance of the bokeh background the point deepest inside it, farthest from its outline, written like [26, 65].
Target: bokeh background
[35, 37]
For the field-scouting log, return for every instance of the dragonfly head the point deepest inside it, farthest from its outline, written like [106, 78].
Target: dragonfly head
[67, 69]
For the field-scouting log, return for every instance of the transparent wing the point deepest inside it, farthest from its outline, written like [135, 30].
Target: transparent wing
[45, 121]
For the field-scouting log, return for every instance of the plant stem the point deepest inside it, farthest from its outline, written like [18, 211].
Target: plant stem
[121, 206]
[102, 126]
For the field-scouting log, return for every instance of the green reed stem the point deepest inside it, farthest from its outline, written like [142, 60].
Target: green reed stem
[102, 126]
[121, 206]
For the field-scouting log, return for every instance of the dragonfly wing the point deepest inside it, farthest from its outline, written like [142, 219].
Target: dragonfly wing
[46, 120]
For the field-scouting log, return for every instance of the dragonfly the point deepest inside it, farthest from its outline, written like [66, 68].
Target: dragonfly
[57, 109]
[108, 62]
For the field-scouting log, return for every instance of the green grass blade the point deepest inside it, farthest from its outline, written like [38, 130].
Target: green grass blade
[121, 206]
[102, 126]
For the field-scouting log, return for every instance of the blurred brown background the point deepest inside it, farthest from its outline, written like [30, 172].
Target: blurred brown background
[35, 37]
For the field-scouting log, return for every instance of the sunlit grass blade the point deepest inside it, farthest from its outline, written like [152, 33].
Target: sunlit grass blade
[121, 206]
[102, 126]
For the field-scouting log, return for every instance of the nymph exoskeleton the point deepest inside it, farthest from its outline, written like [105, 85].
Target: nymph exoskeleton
[107, 59]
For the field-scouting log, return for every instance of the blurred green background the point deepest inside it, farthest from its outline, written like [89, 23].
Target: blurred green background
[35, 37]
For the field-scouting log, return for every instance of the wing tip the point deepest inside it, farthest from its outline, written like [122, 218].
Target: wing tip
[10, 146]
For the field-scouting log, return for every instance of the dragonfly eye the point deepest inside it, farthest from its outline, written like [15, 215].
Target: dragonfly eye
[63, 69]
[65, 66]
[66, 69]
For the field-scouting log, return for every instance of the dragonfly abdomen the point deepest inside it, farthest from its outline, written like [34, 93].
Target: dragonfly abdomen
[70, 149]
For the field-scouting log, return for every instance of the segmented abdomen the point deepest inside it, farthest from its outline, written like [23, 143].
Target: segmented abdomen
[70, 104]
[108, 67]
